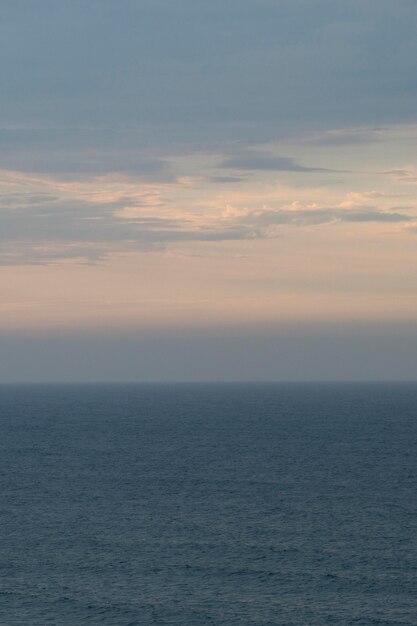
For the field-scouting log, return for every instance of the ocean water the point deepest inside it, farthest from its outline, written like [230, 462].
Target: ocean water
[208, 504]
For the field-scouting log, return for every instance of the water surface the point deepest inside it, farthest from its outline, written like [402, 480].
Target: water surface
[208, 504]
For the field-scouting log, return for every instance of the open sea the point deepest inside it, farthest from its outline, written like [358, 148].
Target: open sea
[127, 505]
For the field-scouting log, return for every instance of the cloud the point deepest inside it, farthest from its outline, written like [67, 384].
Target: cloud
[225, 179]
[202, 73]
[75, 153]
[91, 224]
[45, 219]
[359, 198]
[260, 221]
[346, 137]
[257, 160]
[376, 216]
[32, 253]
[407, 175]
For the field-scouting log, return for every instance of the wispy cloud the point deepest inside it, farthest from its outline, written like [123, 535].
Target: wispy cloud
[346, 137]
[261, 221]
[257, 160]
[404, 176]
[45, 220]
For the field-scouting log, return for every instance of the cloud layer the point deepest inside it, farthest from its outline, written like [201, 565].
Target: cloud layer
[93, 219]
[88, 86]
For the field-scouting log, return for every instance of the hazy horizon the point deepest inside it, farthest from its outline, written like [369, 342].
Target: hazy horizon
[318, 353]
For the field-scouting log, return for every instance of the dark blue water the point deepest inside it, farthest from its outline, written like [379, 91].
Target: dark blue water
[256, 504]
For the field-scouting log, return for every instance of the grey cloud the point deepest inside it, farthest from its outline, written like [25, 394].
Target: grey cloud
[402, 175]
[225, 179]
[376, 216]
[25, 199]
[201, 72]
[67, 222]
[43, 233]
[80, 153]
[257, 160]
[30, 253]
[64, 230]
[346, 137]
[258, 222]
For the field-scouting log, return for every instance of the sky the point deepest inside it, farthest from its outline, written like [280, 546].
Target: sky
[194, 190]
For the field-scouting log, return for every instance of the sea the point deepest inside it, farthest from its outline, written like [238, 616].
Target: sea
[224, 504]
